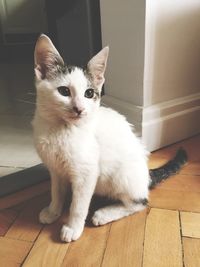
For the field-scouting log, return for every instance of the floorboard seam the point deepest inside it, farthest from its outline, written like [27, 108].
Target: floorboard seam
[181, 235]
[104, 252]
[17, 216]
[32, 246]
[144, 235]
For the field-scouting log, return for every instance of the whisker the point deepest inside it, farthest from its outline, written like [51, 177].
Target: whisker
[24, 101]
[30, 93]
[29, 102]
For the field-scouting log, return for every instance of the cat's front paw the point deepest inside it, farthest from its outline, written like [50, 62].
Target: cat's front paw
[46, 216]
[69, 234]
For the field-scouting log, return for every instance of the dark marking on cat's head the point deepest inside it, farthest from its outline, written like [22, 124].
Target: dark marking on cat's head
[61, 69]
[70, 68]
[49, 66]
[96, 94]
[65, 69]
[91, 84]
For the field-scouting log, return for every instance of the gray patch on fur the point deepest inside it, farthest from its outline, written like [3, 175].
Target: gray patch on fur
[50, 66]
[62, 70]
[89, 77]
[70, 68]
[143, 201]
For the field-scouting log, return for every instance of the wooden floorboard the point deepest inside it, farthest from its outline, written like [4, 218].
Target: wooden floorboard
[48, 250]
[186, 183]
[166, 234]
[191, 252]
[125, 242]
[162, 244]
[13, 252]
[90, 248]
[27, 227]
[190, 224]
[24, 195]
[175, 200]
[7, 217]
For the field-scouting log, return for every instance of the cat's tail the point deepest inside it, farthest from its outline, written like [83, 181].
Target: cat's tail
[170, 168]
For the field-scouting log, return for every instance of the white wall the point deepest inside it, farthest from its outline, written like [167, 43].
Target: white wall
[123, 29]
[171, 89]
[172, 49]
[153, 74]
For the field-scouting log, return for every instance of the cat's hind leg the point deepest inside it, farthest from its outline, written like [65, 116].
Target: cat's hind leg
[117, 211]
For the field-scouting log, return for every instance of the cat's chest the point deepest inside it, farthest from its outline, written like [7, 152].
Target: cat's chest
[63, 149]
[54, 146]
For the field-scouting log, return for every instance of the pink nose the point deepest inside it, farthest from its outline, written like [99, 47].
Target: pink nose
[78, 110]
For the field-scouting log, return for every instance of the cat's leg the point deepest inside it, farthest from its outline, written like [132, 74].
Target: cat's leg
[131, 190]
[58, 194]
[117, 211]
[81, 196]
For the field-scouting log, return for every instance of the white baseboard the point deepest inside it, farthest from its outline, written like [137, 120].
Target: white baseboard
[171, 121]
[164, 123]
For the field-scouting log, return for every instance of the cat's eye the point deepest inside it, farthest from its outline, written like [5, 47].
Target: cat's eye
[89, 93]
[64, 90]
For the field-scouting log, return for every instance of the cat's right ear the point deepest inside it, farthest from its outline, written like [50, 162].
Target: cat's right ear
[97, 66]
[46, 58]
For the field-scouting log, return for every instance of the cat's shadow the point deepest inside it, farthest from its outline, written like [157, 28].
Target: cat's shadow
[96, 203]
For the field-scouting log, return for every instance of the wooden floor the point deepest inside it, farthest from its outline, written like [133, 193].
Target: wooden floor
[165, 234]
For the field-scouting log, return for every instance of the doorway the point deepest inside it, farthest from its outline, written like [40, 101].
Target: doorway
[74, 27]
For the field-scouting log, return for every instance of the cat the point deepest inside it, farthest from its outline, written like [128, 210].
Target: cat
[85, 146]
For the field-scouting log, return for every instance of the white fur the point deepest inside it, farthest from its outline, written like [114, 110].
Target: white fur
[96, 153]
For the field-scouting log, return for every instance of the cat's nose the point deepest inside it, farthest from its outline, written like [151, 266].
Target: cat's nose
[78, 110]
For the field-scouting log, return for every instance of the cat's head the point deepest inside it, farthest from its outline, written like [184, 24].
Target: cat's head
[67, 93]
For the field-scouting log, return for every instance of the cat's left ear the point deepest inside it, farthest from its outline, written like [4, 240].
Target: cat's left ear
[97, 66]
[47, 59]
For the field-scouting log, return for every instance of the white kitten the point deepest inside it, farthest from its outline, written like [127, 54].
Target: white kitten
[85, 146]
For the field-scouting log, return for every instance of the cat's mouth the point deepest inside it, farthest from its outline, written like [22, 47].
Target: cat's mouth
[76, 117]
[72, 117]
